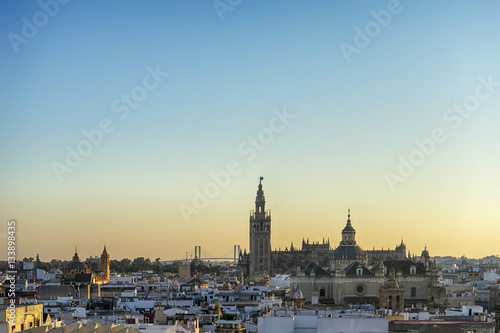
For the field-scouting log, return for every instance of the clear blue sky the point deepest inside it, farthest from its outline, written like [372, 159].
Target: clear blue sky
[226, 76]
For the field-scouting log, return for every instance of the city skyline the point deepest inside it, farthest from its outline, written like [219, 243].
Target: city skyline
[146, 126]
[334, 241]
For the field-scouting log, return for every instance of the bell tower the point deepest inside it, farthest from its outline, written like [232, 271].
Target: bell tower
[260, 236]
[105, 264]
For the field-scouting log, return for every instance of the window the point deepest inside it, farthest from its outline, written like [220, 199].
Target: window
[322, 292]
[413, 270]
[413, 292]
[360, 289]
[359, 271]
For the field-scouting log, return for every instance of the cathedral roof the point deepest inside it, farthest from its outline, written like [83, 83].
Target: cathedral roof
[317, 269]
[350, 252]
[404, 266]
[351, 270]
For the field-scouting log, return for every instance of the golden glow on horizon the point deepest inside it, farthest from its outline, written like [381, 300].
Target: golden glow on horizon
[138, 219]
[133, 228]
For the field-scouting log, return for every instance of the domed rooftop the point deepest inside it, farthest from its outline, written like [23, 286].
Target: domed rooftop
[348, 227]
[76, 265]
[348, 249]
[350, 252]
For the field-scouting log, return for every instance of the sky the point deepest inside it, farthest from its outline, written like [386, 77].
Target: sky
[145, 125]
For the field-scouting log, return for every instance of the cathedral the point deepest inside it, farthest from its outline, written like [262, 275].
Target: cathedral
[343, 274]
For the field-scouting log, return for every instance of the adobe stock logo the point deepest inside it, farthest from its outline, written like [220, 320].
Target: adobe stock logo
[40, 19]
[222, 6]
[249, 149]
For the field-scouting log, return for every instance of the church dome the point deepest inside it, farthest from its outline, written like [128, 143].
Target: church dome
[348, 228]
[350, 252]
[76, 266]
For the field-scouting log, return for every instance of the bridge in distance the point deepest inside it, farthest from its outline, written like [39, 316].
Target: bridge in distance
[197, 256]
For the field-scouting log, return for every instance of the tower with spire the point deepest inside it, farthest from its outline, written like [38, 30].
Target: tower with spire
[105, 264]
[260, 236]
[76, 258]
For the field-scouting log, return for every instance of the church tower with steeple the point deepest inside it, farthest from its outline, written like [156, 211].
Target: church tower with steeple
[105, 264]
[260, 237]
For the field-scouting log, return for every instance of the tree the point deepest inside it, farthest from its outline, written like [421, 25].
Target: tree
[54, 263]
[157, 266]
[120, 266]
[138, 264]
[217, 307]
[228, 316]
